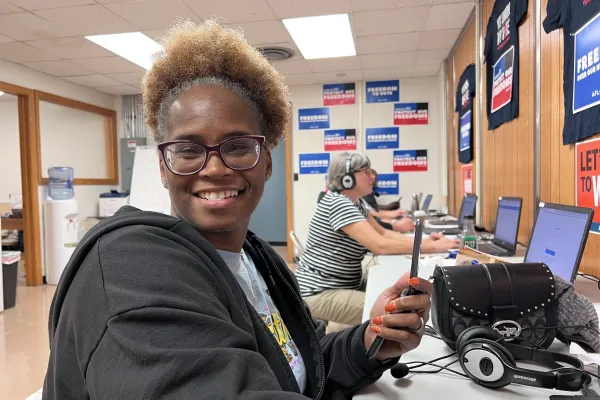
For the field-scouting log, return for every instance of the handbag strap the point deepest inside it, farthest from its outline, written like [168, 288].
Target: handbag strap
[501, 292]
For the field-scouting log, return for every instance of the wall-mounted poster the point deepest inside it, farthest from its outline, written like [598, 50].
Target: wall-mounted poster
[586, 80]
[467, 178]
[587, 179]
[502, 88]
[382, 138]
[339, 94]
[313, 118]
[314, 163]
[388, 184]
[411, 114]
[410, 160]
[383, 91]
[340, 139]
[464, 106]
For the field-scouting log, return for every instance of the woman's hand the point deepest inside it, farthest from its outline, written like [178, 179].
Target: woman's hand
[403, 225]
[438, 243]
[403, 332]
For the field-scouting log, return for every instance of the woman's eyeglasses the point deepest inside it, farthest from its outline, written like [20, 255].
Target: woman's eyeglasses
[184, 157]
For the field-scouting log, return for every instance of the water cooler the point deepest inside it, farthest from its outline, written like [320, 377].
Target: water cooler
[61, 226]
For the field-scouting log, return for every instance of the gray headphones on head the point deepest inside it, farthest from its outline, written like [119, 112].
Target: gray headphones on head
[348, 180]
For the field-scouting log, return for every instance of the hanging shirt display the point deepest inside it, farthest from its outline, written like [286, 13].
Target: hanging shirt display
[464, 107]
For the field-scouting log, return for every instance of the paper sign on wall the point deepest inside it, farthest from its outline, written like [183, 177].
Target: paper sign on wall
[586, 79]
[340, 139]
[467, 178]
[383, 91]
[411, 114]
[314, 163]
[410, 160]
[503, 79]
[587, 179]
[382, 138]
[339, 94]
[388, 184]
[313, 118]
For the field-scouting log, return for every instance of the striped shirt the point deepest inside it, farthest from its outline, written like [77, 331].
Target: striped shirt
[332, 259]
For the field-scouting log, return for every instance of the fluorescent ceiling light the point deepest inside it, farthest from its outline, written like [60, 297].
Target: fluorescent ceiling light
[134, 46]
[323, 36]
[1, 92]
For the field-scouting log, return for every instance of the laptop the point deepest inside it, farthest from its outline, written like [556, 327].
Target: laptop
[507, 228]
[454, 227]
[426, 203]
[558, 238]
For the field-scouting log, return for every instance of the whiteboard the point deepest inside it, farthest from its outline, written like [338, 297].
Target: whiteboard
[147, 192]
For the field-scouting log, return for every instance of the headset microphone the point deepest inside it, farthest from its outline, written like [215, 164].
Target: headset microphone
[399, 371]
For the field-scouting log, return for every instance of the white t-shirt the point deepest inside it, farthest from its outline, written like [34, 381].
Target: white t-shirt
[256, 291]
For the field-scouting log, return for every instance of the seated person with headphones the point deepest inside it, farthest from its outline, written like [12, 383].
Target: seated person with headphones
[340, 234]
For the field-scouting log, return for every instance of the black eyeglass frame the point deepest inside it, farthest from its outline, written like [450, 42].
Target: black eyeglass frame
[210, 149]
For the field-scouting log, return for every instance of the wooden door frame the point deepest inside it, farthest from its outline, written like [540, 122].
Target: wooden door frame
[29, 149]
[289, 182]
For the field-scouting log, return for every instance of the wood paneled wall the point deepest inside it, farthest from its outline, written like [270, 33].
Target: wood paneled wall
[452, 139]
[508, 151]
[558, 161]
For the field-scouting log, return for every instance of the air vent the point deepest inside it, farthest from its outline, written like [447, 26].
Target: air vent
[276, 53]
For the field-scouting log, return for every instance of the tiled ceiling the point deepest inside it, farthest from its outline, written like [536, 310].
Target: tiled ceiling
[394, 38]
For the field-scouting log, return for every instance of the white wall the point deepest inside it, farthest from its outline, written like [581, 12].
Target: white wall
[361, 116]
[10, 156]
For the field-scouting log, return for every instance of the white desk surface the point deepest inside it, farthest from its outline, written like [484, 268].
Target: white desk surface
[445, 385]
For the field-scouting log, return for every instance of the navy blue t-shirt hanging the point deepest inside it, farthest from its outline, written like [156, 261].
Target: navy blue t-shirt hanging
[464, 107]
[501, 52]
[580, 20]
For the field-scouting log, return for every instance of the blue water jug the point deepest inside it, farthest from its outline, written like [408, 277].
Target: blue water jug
[60, 183]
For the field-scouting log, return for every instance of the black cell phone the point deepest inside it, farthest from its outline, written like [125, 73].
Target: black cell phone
[414, 272]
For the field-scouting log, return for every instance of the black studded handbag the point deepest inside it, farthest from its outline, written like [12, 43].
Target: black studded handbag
[516, 300]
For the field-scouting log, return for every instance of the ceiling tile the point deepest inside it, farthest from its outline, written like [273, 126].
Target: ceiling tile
[381, 22]
[306, 8]
[19, 52]
[6, 8]
[94, 81]
[300, 79]
[130, 78]
[432, 56]
[388, 73]
[293, 66]
[32, 5]
[26, 26]
[381, 44]
[264, 32]
[426, 70]
[120, 90]
[448, 16]
[59, 68]
[111, 1]
[71, 47]
[88, 20]
[441, 39]
[4, 39]
[231, 11]
[108, 65]
[339, 77]
[366, 5]
[155, 34]
[152, 14]
[374, 61]
[335, 64]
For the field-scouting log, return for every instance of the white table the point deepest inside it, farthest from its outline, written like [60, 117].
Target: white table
[445, 385]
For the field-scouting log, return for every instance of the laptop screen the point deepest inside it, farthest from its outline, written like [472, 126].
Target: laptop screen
[556, 240]
[426, 202]
[468, 207]
[507, 223]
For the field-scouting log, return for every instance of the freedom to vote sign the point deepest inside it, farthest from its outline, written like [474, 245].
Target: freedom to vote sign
[314, 163]
[313, 118]
[586, 84]
[388, 184]
[340, 139]
[339, 94]
[503, 80]
[411, 114]
[383, 138]
[383, 91]
[465, 131]
[587, 179]
[410, 160]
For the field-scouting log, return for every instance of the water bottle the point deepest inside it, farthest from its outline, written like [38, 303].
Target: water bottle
[60, 183]
[414, 206]
[468, 236]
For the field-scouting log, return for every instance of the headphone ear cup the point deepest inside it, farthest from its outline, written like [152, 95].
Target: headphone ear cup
[348, 181]
[485, 362]
[476, 332]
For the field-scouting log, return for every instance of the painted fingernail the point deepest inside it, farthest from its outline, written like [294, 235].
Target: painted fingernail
[376, 329]
[390, 307]
[378, 321]
[414, 281]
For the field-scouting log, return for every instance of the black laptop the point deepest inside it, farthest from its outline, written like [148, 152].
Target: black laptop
[454, 227]
[507, 228]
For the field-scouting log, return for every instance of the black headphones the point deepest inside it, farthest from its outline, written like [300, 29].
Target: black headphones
[348, 180]
[491, 362]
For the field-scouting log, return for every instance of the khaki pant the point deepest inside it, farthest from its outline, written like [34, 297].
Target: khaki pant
[343, 306]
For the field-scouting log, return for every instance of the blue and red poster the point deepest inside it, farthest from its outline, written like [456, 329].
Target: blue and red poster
[503, 80]
[587, 179]
[410, 160]
[340, 139]
[411, 114]
[383, 91]
[339, 94]
[586, 80]
[465, 131]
